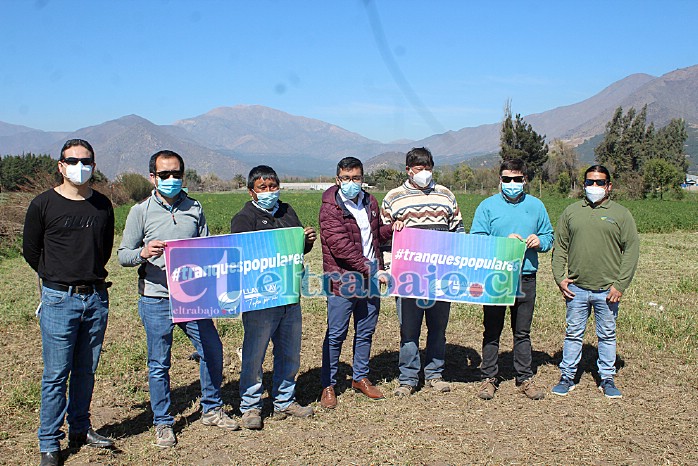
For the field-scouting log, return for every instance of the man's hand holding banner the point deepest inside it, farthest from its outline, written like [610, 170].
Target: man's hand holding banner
[224, 276]
[443, 266]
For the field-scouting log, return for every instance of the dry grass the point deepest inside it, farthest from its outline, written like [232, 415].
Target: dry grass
[654, 423]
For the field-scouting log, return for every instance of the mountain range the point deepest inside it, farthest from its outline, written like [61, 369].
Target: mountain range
[229, 140]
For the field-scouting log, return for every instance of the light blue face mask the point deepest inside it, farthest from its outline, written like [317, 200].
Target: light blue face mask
[512, 190]
[169, 187]
[350, 189]
[268, 200]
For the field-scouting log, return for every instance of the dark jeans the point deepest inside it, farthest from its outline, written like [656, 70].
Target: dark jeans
[339, 311]
[521, 318]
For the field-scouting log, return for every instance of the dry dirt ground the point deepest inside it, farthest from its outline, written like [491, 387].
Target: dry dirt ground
[654, 422]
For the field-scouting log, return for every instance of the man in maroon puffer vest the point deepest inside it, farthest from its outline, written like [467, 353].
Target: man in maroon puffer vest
[351, 230]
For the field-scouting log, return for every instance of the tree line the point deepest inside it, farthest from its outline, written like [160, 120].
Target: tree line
[18, 170]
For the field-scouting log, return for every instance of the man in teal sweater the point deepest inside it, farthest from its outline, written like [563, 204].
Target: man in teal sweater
[513, 213]
[595, 256]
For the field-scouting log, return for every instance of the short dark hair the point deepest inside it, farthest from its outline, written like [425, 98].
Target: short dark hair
[77, 142]
[264, 172]
[599, 169]
[419, 156]
[348, 163]
[514, 165]
[166, 154]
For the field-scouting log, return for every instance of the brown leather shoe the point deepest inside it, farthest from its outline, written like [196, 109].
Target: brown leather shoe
[328, 399]
[367, 388]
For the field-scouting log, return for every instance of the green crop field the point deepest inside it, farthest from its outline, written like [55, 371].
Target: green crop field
[651, 215]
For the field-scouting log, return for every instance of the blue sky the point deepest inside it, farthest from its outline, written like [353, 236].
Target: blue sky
[386, 69]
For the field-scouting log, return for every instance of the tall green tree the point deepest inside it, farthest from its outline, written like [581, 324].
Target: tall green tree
[608, 151]
[519, 140]
[629, 142]
[635, 139]
[670, 141]
[624, 142]
[661, 176]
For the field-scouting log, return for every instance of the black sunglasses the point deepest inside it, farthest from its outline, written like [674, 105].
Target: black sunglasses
[357, 178]
[75, 160]
[595, 182]
[509, 179]
[163, 175]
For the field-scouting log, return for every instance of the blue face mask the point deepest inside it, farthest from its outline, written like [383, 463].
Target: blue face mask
[350, 189]
[512, 190]
[268, 199]
[169, 187]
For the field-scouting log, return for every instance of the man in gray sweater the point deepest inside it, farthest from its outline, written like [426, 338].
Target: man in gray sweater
[169, 214]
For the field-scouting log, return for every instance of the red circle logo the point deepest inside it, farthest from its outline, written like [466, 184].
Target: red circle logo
[475, 290]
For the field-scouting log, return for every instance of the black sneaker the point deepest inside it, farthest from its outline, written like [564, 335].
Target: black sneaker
[89, 438]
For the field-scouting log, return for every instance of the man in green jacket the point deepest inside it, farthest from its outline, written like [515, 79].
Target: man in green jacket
[594, 259]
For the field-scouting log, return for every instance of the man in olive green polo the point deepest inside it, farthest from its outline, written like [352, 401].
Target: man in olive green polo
[594, 259]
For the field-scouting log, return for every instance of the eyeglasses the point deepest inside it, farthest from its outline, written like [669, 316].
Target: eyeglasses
[597, 182]
[75, 160]
[509, 179]
[163, 175]
[356, 179]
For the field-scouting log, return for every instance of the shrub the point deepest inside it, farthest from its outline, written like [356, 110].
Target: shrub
[136, 186]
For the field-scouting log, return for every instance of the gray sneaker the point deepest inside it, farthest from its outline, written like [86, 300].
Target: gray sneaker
[439, 385]
[164, 436]
[404, 391]
[487, 389]
[252, 419]
[294, 410]
[217, 417]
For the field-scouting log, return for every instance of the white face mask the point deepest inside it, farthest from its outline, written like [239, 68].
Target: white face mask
[78, 174]
[422, 179]
[595, 193]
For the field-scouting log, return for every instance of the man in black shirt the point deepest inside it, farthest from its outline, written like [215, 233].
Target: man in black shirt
[68, 238]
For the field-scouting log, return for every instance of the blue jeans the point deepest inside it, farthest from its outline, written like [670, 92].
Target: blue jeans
[410, 316]
[72, 332]
[282, 325]
[339, 311]
[157, 320]
[605, 315]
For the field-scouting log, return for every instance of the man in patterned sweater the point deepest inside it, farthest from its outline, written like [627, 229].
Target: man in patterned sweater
[421, 203]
